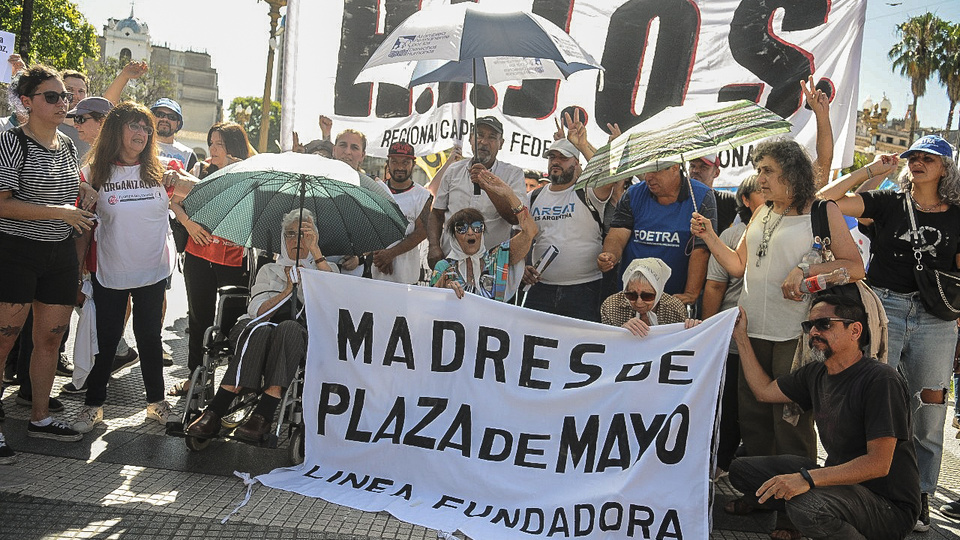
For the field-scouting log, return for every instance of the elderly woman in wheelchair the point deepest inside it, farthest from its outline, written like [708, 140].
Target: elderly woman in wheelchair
[271, 344]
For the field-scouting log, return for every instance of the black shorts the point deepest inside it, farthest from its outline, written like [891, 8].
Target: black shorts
[33, 270]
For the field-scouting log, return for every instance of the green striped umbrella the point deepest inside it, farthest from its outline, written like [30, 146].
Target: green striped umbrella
[679, 134]
[245, 203]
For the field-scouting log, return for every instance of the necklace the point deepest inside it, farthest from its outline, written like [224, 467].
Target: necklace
[33, 135]
[932, 208]
[765, 241]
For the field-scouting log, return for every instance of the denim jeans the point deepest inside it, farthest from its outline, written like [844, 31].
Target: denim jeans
[921, 347]
[836, 512]
[581, 301]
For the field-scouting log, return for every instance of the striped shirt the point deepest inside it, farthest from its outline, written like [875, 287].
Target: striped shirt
[47, 177]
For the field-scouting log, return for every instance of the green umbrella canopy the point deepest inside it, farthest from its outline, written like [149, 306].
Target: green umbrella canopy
[245, 203]
[679, 134]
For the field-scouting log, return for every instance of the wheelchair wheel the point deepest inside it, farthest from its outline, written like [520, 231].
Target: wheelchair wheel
[296, 444]
[241, 409]
[196, 444]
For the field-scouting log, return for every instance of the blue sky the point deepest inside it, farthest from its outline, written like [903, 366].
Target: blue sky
[234, 32]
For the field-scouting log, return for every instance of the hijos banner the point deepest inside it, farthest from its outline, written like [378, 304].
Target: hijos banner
[501, 422]
[655, 54]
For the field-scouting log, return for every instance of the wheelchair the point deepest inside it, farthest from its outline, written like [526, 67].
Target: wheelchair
[218, 351]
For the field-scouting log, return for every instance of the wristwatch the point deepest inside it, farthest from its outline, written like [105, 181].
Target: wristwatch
[805, 268]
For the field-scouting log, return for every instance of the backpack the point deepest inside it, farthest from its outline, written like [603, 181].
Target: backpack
[602, 221]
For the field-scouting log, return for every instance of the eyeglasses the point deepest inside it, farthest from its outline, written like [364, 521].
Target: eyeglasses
[169, 116]
[461, 228]
[52, 97]
[822, 324]
[290, 234]
[140, 128]
[80, 120]
[645, 296]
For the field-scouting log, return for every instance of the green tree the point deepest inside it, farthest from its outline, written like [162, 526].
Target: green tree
[61, 36]
[156, 83]
[915, 55]
[949, 71]
[246, 111]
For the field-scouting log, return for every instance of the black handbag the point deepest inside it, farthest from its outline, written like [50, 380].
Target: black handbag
[939, 289]
[180, 234]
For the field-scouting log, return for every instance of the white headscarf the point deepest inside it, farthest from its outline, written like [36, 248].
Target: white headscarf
[654, 270]
[284, 258]
[462, 260]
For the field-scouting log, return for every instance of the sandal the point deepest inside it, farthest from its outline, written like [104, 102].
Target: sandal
[182, 388]
[740, 507]
[785, 534]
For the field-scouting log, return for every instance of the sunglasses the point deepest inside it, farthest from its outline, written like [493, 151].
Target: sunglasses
[169, 116]
[52, 97]
[461, 228]
[80, 120]
[140, 128]
[645, 296]
[822, 324]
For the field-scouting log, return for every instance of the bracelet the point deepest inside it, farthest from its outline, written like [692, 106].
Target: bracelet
[520, 208]
[320, 260]
[869, 172]
[806, 476]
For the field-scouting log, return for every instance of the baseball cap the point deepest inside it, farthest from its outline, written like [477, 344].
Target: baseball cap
[170, 104]
[318, 145]
[711, 159]
[490, 122]
[401, 149]
[97, 105]
[931, 144]
[565, 148]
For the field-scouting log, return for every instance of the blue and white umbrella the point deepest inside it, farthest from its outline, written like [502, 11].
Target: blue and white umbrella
[462, 43]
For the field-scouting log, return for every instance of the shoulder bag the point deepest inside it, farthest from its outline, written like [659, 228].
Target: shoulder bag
[939, 290]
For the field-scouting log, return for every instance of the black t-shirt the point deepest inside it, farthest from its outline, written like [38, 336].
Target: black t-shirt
[892, 264]
[866, 401]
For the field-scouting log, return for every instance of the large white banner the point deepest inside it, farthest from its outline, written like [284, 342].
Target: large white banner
[504, 422]
[656, 53]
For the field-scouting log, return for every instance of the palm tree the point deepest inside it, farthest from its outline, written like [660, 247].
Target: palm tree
[949, 71]
[915, 55]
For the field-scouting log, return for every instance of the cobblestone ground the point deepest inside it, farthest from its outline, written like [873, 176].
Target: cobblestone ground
[127, 479]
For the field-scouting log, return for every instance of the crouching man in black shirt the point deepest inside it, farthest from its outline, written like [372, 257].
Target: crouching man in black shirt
[869, 486]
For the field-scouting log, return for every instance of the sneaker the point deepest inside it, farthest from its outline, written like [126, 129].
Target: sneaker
[7, 455]
[124, 361]
[55, 430]
[167, 359]
[54, 406]
[923, 523]
[159, 411]
[88, 417]
[63, 369]
[71, 388]
[951, 510]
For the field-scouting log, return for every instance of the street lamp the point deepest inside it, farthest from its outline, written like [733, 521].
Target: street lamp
[275, 6]
[242, 115]
[873, 115]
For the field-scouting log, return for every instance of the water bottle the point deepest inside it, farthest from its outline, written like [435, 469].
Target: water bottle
[820, 282]
[814, 256]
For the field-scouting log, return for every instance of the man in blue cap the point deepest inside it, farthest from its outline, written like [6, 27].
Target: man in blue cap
[169, 121]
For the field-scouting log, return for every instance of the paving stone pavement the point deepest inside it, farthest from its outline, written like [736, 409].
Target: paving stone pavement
[127, 479]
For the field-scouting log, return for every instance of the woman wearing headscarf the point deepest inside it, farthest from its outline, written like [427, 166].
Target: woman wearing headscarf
[470, 267]
[209, 262]
[642, 303]
[270, 344]
[920, 345]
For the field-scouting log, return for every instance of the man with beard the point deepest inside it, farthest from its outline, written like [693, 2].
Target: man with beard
[400, 262]
[459, 189]
[169, 121]
[869, 486]
[569, 219]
